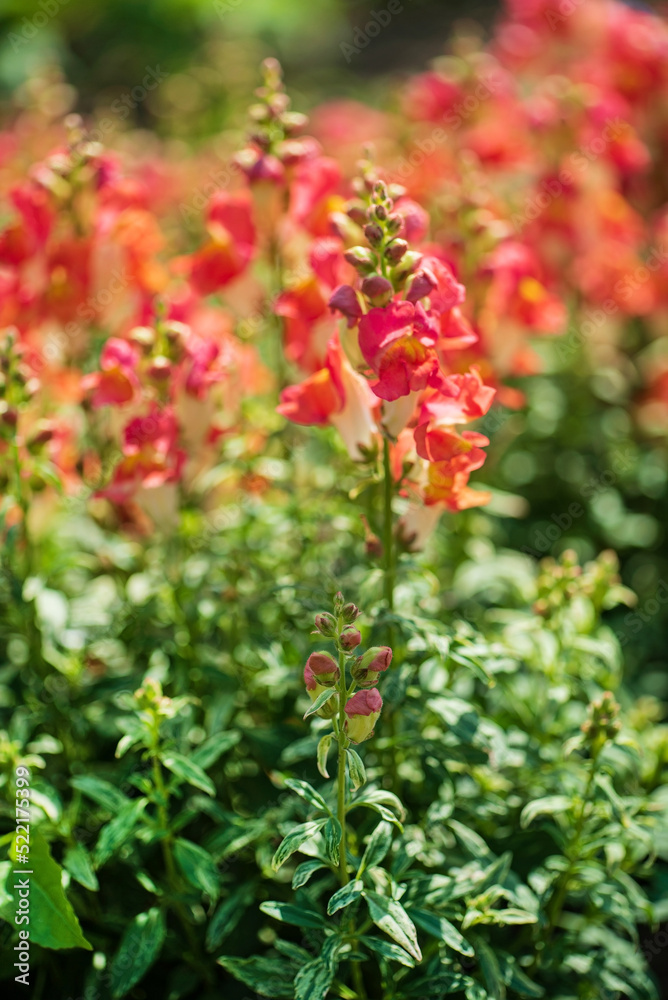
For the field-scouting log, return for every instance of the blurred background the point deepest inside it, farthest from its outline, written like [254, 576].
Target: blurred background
[211, 49]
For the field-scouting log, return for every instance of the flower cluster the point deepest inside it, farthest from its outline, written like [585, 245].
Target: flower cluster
[332, 692]
[391, 370]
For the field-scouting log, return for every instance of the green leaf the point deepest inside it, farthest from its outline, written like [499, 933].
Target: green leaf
[518, 980]
[499, 918]
[307, 792]
[491, 970]
[208, 753]
[290, 914]
[377, 847]
[459, 716]
[227, 916]
[270, 977]
[140, 946]
[313, 981]
[188, 771]
[344, 896]
[441, 929]
[118, 830]
[332, 835]
[304, 871]
[53, 922]
[388, 950]
[356, 768]
[322, 752]
[385, 803]
[471, 842]
[197, 866]
[293, 841]
[102, 792]
[78, 863]
[549, 805]
[321, 700]
[391, 917]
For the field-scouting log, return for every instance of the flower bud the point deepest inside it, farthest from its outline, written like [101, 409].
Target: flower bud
[422, 283]
[351, 638]
[377, 289]
[313, 688]
[160, 368]
[602, 723]
[326, 624]
[408, 263]
[142, 336]
[361, 258]
[369, 667]
[362, 712]
[396, 250]
[9, 415]
[373, 233]
[43, 433]
[345, 300]
[324, 668]
[350, 613]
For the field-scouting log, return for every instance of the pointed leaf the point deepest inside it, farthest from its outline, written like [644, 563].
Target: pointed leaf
[344, 896]
[323, 750]
[441, 929]
[227, 916]
[313, 981]
[208, 753]
[197, 866]
[356, 768]
[391, 917]
[388, 950]
[377, 847]
[188, 771]
[321, 700]
[118, 830]
[270, 977]
[53, 922]
[140, 946]
[78, 863]
[304, 871]
[332, 833]
[307, 792]
[549, 805]
[293, 841]
[290, 914]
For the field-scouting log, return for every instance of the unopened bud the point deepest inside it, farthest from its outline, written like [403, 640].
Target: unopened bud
[143, 336]
[324, 668]
[350, 639]
[345, 300]
[350, 613]
[374, 234]
[326, 624]
[362, 713]
[160, 368]
[422, 283]
[377, 289]
[314, 688]
[42, 433]
[396, 250]
[410, 262]
[368, 668]
[361, 258]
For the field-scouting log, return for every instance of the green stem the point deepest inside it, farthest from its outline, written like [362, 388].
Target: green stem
[341, 776]
[558, 898]
[344, 693]
[388, 527]
[162, 799]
